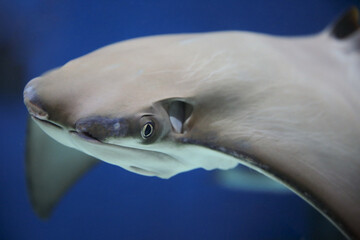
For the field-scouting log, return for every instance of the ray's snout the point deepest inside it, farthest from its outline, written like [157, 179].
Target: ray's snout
[101, 128]
[32, 102]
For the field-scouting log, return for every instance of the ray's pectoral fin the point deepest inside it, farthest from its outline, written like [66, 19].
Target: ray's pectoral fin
[346, 25]
[179, 111]
[51, 169]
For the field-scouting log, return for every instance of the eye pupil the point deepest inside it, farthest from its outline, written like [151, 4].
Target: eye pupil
[147, 130]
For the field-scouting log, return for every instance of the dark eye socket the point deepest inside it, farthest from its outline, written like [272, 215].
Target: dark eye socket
[147, 130]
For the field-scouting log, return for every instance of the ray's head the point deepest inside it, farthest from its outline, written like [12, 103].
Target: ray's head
[113, 85]
[147, 123]
[117, 80]
[125, 137]
[120, 104]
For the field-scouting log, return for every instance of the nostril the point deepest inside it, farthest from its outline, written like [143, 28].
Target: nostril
[36, 111]
[32, 103]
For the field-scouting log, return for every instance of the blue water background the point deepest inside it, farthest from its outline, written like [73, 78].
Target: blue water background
[110, 203]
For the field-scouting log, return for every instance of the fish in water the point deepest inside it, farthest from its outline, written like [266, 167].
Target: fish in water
[288, 107]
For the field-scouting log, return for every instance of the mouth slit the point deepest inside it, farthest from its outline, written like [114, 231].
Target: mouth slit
[86, 136]
[47, 122]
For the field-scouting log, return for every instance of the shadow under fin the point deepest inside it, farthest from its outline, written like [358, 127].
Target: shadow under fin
[51, 169]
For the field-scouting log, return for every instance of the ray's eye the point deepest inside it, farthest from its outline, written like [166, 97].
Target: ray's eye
[147, 130]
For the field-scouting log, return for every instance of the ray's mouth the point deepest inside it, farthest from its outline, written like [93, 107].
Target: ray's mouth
[83, 135]
[46, 122]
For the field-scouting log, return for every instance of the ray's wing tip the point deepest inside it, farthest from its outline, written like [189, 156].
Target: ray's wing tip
[346, 24]
[42, 210]
[43, 213]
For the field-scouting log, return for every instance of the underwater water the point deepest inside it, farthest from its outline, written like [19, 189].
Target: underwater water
[109, 202]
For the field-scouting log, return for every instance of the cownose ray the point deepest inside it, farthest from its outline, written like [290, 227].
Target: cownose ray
[288, 107]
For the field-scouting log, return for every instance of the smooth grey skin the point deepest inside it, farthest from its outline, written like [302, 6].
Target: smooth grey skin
[288, 107]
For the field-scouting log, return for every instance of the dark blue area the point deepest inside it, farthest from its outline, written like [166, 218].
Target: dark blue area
[110, 203]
